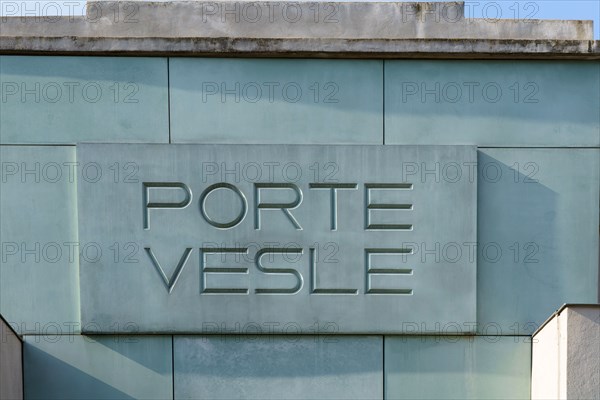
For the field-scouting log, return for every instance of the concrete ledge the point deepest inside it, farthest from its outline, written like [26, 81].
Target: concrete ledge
[243, 19]
[296, 29]
[314, 48]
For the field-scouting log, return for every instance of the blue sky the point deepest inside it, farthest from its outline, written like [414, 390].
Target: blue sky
[507, 9]
[550, 9]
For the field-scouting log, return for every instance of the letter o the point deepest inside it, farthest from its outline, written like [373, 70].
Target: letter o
[486, 175]
[496, 8]
[223, 225]
[57, 175]
[94, 12]
[49, 16]
[486, 95]
[86, 176]
[447, 176]
[245, 13]
[86, 256]
[46, 253]
[446, 253]
[297, 11]
[85, 92]
[285, 92]
[49, 336]
[248, 98]
[457, 90]
[486, 255]
[46, 92]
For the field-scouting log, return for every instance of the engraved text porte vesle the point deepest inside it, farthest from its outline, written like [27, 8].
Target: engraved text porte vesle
[277, 238]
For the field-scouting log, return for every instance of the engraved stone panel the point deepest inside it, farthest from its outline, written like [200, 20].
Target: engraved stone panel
[264, 239]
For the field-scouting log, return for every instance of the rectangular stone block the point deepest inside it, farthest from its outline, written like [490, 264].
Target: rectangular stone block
[11, 363]
[276, 101]
[39, 249]
[206, 238]
[98, 367]
[278, 367]
[451, 367]
[492, 103]
[537, 235]
[77, 99]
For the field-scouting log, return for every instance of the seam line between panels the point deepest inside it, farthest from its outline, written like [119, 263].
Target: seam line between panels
[169, 96]
[541, 147]
[173, 367]
[383, 367]
[383, 98]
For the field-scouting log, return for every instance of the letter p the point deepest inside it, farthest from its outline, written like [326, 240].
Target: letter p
[409, 89]
[209, 89]
[161, 186]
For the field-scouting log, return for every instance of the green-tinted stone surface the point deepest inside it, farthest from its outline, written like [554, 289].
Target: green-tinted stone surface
[457, 368]
[278, 367]
[81, 99]
[39, 260]
[98, 367]
[180, 271]
[537, 234]
[492, 103]
[276, 101]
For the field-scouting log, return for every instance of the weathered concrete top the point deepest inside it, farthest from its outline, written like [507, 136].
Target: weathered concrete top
[303, 29]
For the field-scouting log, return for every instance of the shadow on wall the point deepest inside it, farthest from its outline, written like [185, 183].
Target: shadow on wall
[47, 377]
[61, 69]
[522, 272]
[105, 367]
[276, 101]
[222, 366]
[544, 91]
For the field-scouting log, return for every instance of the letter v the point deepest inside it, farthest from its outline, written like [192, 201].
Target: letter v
[170, 283]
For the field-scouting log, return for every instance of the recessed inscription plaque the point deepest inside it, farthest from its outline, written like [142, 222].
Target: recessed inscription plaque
[277, 239]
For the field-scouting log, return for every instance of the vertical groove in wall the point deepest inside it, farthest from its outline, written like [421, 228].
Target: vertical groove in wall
[383, 101]
[172, 364]
[23, 368]
[169, 96]
[383, 367]
[530, 366]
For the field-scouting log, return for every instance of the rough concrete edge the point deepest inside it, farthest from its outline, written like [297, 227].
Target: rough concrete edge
[587, 25]
[307, 48]
[560, 310]
[479, 29]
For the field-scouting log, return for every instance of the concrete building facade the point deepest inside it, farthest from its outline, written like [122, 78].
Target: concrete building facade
[302, 200]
